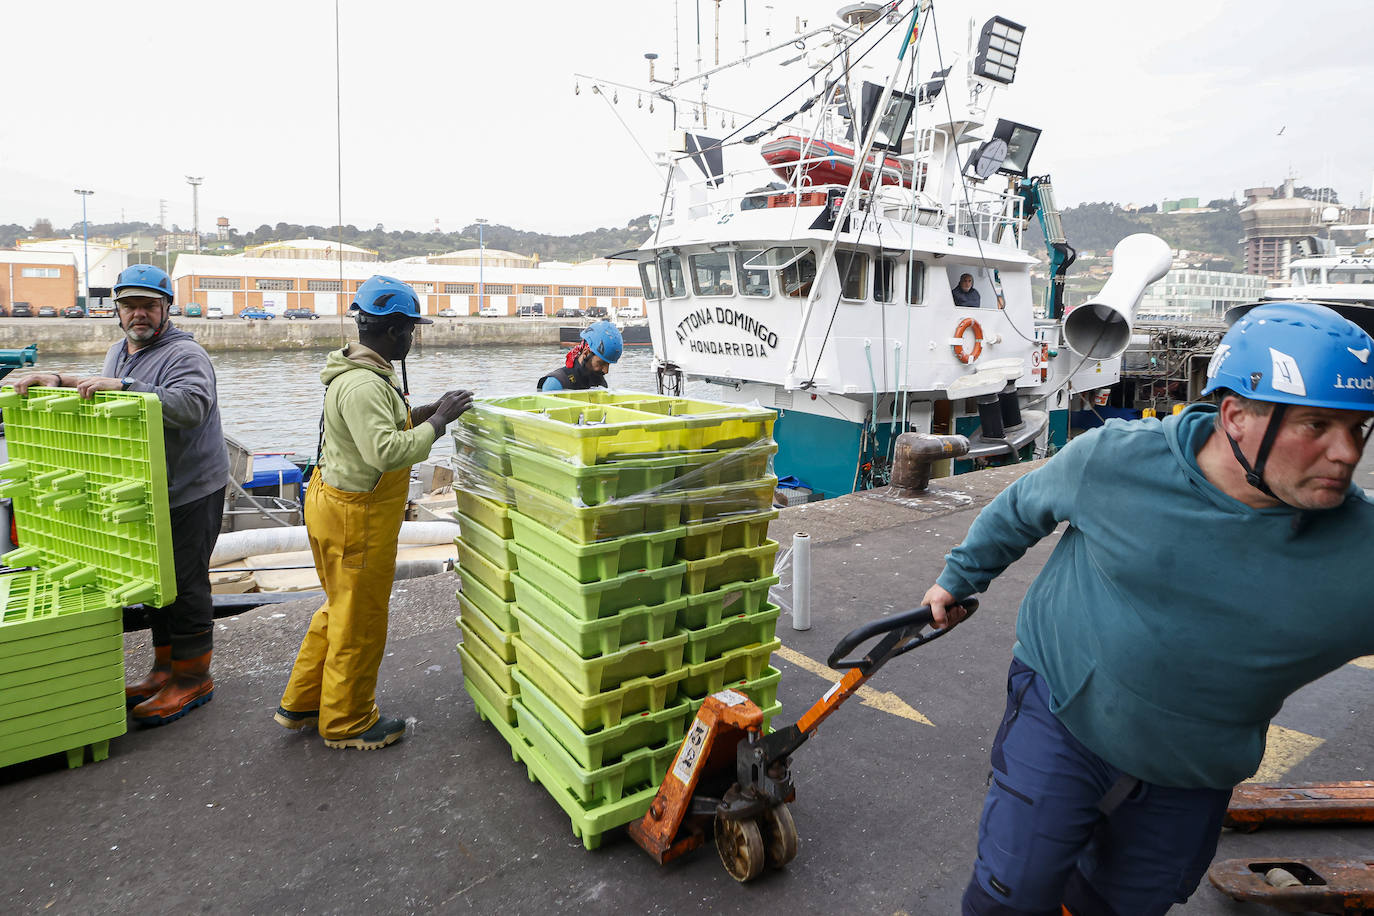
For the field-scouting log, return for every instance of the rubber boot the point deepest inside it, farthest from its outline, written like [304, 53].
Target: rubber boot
[139, 691]
[189, 686]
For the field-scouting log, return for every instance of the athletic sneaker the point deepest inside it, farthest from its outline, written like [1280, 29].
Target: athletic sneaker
[384, 732]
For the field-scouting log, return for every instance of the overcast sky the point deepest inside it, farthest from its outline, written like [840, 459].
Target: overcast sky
[455, 109]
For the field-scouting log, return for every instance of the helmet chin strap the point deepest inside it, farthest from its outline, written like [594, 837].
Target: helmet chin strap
[1255, 475]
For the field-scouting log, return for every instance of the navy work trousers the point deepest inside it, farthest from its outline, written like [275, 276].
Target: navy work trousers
[187, 624]
[1043, 841]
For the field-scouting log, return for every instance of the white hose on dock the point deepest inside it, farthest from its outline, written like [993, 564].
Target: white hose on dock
[235, 545]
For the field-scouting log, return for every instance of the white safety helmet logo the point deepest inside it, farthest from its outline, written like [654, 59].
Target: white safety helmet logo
[1287, 375]
[1219, 357]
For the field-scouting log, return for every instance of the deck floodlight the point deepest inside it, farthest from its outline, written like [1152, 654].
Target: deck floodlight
[999, 46]
[1020, 140]
[893, 120]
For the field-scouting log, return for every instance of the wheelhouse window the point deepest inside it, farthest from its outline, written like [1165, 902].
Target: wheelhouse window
[884, 275]
[853, 268]
[711, 274]
[670, 274]
[915, 282]
[648, 279]
[753, 281]
[796, 266]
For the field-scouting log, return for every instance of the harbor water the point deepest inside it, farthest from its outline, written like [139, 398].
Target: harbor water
[270, 400]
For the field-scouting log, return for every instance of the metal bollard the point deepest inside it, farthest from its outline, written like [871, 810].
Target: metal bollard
[801, 581]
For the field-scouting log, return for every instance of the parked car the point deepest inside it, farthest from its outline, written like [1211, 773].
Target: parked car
[256, 315]
[597, 311]
[490, 311]
[47, 311]
[213, 311]
[73, 311]
[629, 311]
[448, 313]
[174, 310]
[568, 313]
[193, 310]
[293, 314]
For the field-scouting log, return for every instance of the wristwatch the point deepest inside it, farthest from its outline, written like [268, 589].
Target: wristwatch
[125, 382]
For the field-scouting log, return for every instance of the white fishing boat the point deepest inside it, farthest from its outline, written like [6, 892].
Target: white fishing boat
[863, 302]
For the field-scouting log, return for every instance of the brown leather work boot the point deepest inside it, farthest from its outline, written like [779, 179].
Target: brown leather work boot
[138, 691]
[189, 686]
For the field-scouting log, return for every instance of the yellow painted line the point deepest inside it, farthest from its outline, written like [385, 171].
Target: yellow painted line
[1366, 661]
[887, 702]
[1284, 749]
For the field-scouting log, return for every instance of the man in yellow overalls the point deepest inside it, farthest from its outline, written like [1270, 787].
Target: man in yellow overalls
[353, 511]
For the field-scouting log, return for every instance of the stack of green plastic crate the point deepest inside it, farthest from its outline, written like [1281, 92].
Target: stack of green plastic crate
[88, 481]
[635, 564]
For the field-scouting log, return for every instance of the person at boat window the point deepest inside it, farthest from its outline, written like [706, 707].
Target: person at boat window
[1137, 701]
[354, 504]
[965, 295]
[587, 363]
[158, 358]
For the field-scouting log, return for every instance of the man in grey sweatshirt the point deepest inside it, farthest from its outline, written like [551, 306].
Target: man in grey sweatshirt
[158, 358]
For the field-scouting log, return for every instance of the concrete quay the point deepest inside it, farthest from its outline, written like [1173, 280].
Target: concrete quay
[86, 336]
[226, 812]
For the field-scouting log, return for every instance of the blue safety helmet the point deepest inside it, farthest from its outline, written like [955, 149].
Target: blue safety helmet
[143, 279]
[604, 340]
[385, 297]
[1295, 353]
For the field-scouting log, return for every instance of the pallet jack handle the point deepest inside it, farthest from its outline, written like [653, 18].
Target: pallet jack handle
[903, 633]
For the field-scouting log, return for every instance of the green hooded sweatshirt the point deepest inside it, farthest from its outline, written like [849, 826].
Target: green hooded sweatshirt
[364, 421]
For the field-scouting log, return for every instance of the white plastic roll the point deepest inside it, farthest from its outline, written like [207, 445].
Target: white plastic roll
[801, 581]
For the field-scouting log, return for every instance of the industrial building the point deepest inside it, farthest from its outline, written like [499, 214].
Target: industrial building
[39, 278]
[1190, 294]
[1273, 226]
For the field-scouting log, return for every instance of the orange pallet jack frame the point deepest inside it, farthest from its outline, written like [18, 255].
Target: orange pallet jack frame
[1300, 885]
[731, 776]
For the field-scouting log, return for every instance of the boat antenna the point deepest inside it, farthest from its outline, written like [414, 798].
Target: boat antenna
[698, 5]
[338, 152]
[746, 28]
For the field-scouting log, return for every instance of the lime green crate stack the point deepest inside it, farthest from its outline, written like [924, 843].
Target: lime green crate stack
[639, 538]
[88, 484]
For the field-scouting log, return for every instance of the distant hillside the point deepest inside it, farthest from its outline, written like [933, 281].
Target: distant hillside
[1097, 227]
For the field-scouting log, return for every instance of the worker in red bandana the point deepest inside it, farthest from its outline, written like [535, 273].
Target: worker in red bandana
[588, 362]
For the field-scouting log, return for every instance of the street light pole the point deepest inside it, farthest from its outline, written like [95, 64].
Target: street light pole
[481, 267]
[85, 253]
[195, 209]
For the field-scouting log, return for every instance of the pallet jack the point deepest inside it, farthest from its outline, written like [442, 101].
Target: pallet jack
[1340, 886]
[730, 773]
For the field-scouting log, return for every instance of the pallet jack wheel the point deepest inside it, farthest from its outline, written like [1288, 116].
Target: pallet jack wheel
[780, 839]
[740, 844]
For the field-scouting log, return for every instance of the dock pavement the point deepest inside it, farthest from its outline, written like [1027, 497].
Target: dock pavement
[226, 812]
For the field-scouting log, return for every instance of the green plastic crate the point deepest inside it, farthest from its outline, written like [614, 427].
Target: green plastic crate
[706, 539]
[588, 823]
[733, 598]
[484, 655]
[713, 425]
[763, 690]
[493, 547]
[493, 515]
[500, 611]
[591, 434]
[600, 559]
[599, 710]
[592, 600]
[604, 672]
[471, 563]
[604, 745]
[473, 446]
[477, 681]
[714, 467]
[497, 639]
[491, 416]
[596, 523]
[590, 638]
[714, 641]
[592, 485]
[707, 504]
[740, 565]
[89, 482]
[745, 663]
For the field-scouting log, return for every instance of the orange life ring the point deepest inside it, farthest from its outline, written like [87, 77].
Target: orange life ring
[959, 353]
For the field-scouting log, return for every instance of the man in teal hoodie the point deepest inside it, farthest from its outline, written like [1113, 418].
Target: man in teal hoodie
[1211, 566]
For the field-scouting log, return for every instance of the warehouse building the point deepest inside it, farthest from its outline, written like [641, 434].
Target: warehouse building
[39, 278]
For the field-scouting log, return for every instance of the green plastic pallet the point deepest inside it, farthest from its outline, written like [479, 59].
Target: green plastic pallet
[588, 824]
[476, 680]
[497, 668]
[707, 539]
[93, 731]
[591, 600]
[763, 690]
[472, 564]
[597, 523]
[600, 559]
[707, 504]
[592, 485]
[599, 710]
[747, 663]
[64, 690]
[595, 675]
[39, 651]
[87, 660]
[733, 598]
[590, 638]
[496, 549]
[493, 515]
[497, 639]
[500, 611]
[64, 722]
[594, 749]
[714, 641]
[20, 623]
[740, 565]
[89, 482]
